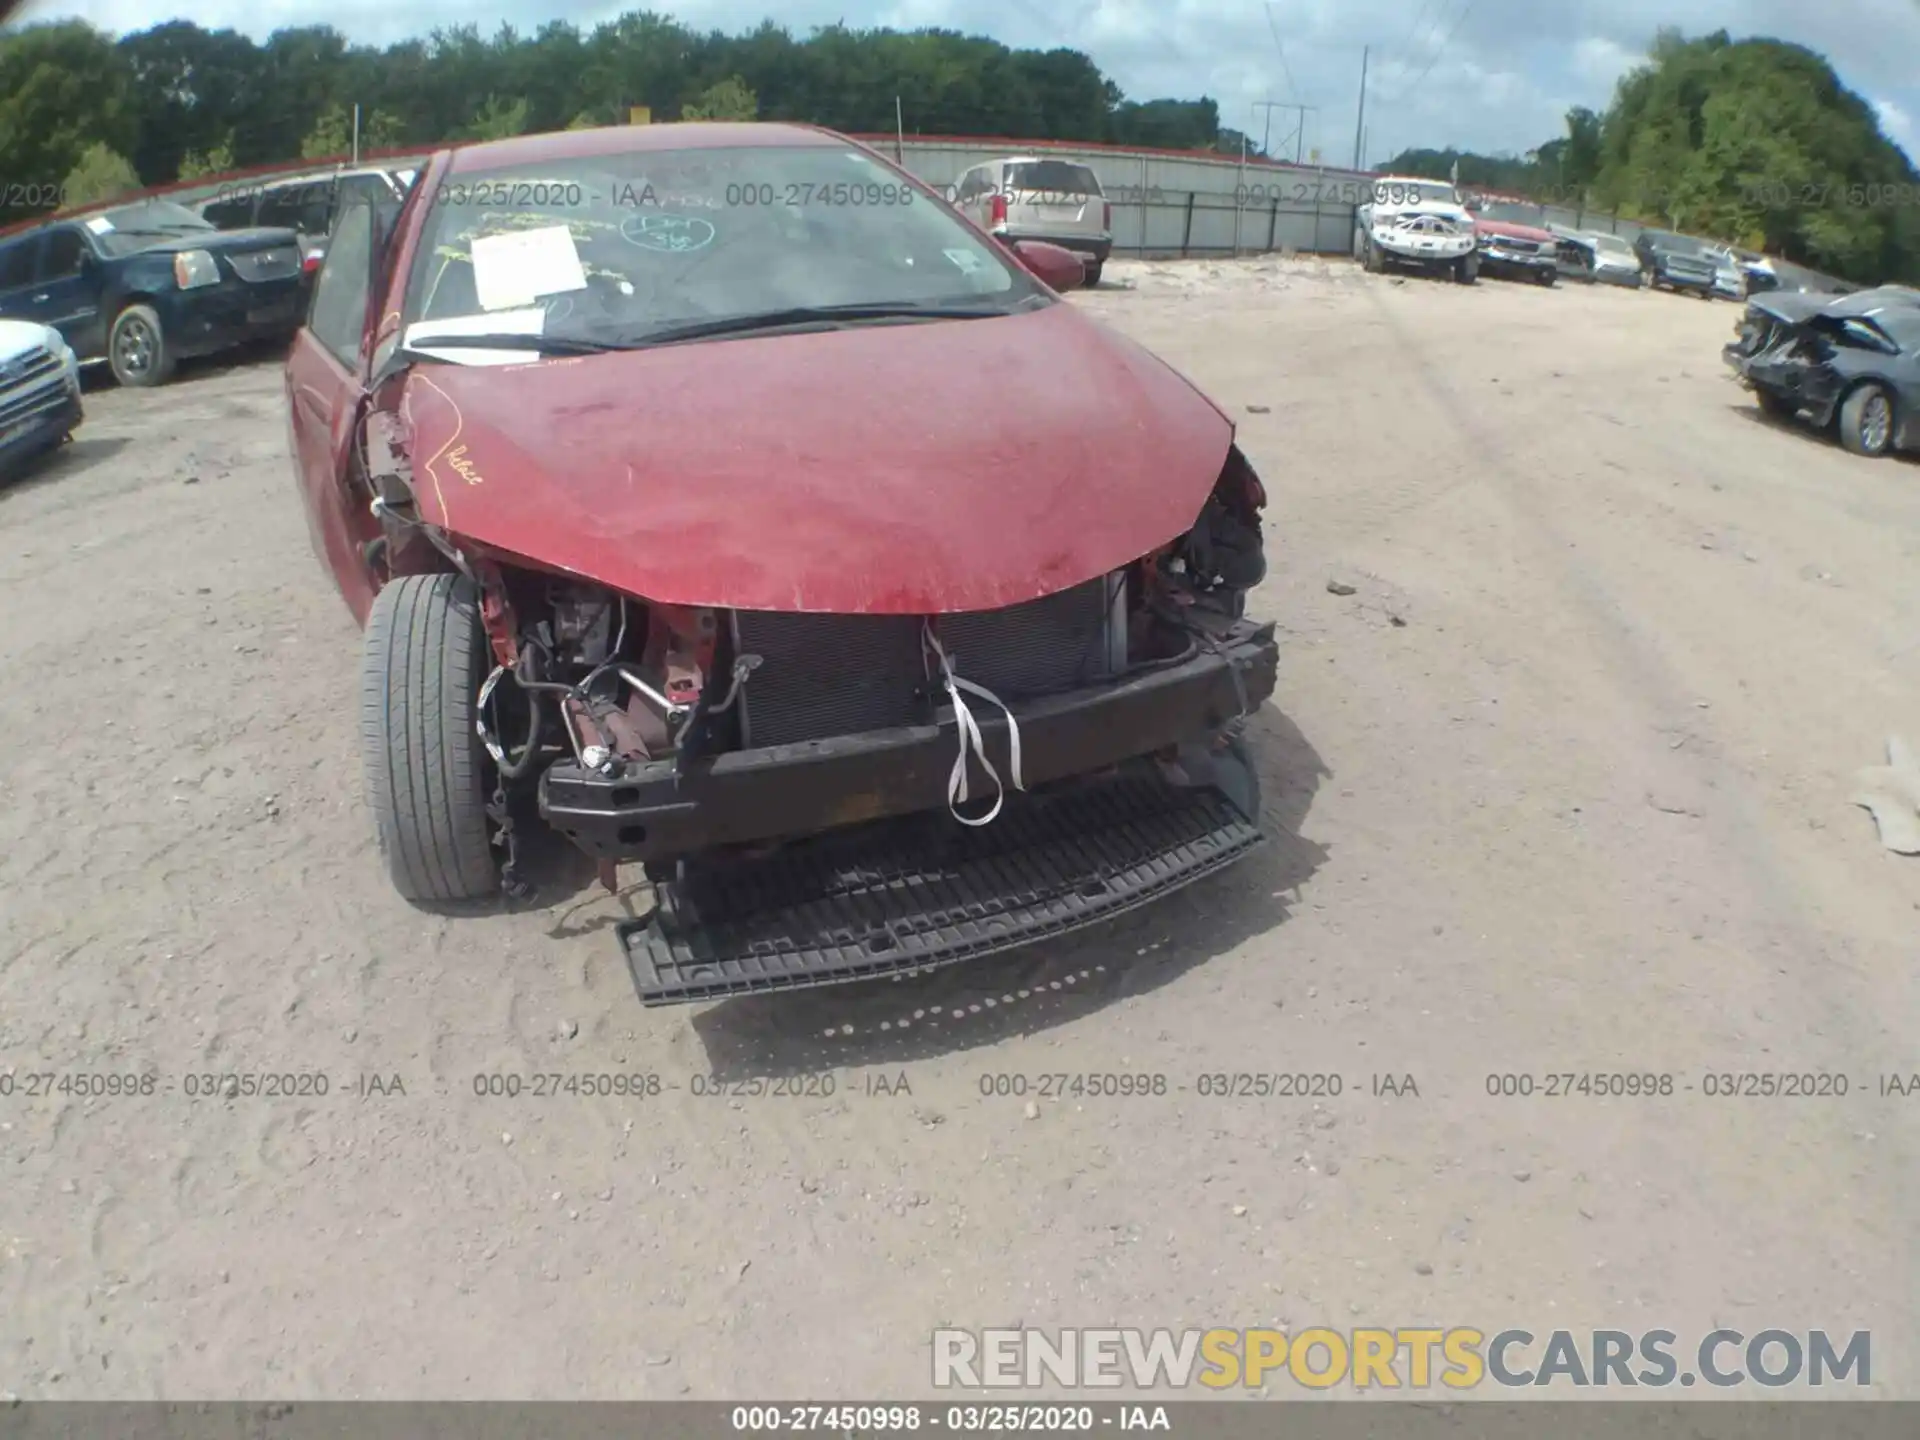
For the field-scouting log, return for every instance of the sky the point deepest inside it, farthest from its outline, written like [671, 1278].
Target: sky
[1487, 75]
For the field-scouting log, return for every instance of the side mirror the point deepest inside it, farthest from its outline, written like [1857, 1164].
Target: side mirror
[1057, 268]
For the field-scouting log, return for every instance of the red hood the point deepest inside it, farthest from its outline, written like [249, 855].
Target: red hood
[951, 465]
[1512, 230]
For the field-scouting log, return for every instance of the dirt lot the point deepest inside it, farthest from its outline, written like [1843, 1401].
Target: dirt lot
[1561, 787]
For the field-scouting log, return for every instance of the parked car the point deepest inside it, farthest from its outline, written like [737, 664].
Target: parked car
[1031, 197]
[1758, 270]
[1597, 257]
[1511, 245]
[144, 285]
[1729, 275]
[307, 204]
[1411, 222]
[1676, 262]
[740, 540]
[40, 405]
[1850, 363]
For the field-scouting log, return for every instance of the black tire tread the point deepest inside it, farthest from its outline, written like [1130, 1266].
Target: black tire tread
[421, 669]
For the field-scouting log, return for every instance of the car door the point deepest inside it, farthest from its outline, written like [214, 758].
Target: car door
[66, 290]
[18, 261]
[323, 401]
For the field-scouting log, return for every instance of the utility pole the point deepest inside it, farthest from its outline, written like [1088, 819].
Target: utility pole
[1360, 123]
[1300, 132]
[899, 134]
[1300, 129]
[1265, 128]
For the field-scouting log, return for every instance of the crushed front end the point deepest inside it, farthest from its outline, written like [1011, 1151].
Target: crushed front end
[827, 797]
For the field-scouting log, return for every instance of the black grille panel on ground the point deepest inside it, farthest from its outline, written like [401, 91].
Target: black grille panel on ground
[827, 675]
[922, 891]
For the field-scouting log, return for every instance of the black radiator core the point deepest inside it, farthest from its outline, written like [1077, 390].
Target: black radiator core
[827, 675]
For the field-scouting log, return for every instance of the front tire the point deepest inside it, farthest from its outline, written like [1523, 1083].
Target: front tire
[1866, 421]
[1466, 270]
[137, 348]
[422, 659]
[1093, 270]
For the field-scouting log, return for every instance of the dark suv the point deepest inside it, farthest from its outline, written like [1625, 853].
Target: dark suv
[1676, 262]
[144, 285]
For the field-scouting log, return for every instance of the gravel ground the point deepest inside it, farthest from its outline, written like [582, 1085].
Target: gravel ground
[1561, 786]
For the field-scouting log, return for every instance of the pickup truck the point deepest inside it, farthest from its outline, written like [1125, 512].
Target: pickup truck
[1511, 246]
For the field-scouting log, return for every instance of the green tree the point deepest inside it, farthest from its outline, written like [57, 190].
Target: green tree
[331, 135]
[730, 99]
[217, 161]
[498, 119]
[62, 89]
[101, 173]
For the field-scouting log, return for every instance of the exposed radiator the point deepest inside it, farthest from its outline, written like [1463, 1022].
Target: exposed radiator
[827, 675]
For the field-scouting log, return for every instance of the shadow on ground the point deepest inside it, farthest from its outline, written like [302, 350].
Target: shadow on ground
[61, 464]
[982, 1002]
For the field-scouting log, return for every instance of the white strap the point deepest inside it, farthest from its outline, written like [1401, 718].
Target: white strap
[970, 738]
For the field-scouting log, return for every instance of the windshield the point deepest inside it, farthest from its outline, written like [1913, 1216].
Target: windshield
[128, 228]
[1056, 176]
[612, 248]
[1508, 214]
[1612, 244]
[1680, 245]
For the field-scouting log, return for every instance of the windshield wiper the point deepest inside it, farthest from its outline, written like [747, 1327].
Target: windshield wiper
[825, 315]
[545, 344]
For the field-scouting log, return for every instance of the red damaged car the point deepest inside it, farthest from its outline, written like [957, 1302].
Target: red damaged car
[722, 496]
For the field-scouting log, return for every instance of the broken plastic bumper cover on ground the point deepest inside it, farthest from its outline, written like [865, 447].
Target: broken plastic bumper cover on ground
[895, 884]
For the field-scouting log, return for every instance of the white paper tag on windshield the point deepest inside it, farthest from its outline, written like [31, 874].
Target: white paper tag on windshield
[513, 270]
[99, 224]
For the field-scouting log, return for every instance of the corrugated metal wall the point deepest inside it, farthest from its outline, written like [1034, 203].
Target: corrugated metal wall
[1172, 203]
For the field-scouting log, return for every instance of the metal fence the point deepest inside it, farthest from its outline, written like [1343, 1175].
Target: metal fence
[1166, 203]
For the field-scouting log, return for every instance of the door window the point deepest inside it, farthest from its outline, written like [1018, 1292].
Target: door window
[339, 315]
[62, 255]
[16, 263]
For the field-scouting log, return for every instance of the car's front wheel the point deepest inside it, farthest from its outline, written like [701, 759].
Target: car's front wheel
[137, 347]
[1866, 420]
[1466, 269]
[1093, 269]
[423, 657]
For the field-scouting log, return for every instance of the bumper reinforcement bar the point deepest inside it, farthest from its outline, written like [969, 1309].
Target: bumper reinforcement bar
[919, 891]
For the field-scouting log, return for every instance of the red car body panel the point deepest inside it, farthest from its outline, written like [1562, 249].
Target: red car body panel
[891, 469]
[905, 469]
[1513, 230]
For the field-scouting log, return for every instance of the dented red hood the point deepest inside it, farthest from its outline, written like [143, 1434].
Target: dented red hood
[919, 468]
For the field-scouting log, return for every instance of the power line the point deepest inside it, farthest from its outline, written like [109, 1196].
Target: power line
[1285, 69]
[1418, 15]
[1447, 40]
